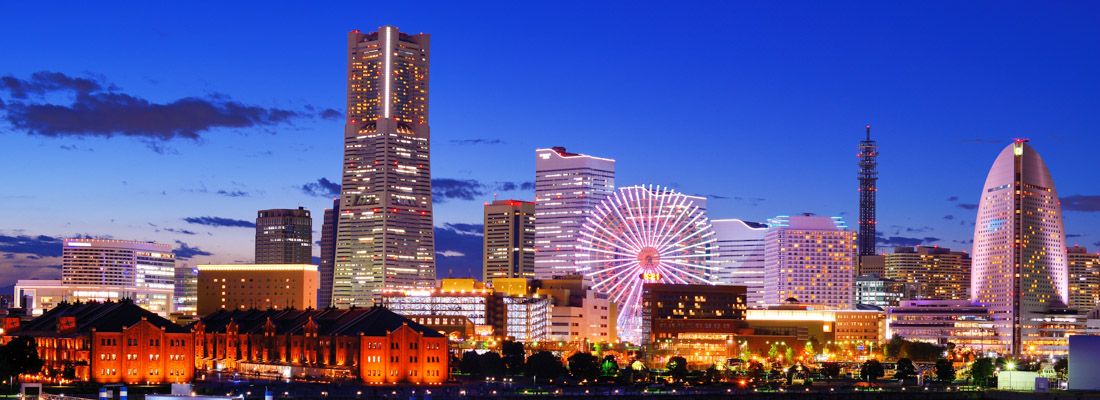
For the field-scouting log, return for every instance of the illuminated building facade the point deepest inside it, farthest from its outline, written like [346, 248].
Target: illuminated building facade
[526, 319]
[1084, 279]
[579, 313]
[809, 258]
[868, 191]
[1019, 268]
[385, 238]
[740, 259]
[937, 272]
[698, 322]
[568, 188]
[112, 342]
[328, 254]
[874, 290]
[284, 236]
[109, 269]
[796, 323]
[476, 305]
[186, 292]
[940, 322]
[509, 240]
[371, 344]
[262, 286]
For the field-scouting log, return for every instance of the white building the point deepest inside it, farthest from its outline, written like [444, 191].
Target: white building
[105, 269]
[740, 259]
[568, 187]
[39, 296]
[809, 258]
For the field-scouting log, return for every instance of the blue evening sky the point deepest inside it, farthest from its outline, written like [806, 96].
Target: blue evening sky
[757, 104]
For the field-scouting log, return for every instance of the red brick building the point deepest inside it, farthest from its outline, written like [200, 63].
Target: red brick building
[112, 342]
[373, 345]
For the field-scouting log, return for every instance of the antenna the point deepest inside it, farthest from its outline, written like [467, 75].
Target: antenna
[868, 132]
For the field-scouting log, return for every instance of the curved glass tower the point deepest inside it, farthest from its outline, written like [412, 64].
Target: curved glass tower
[1019, 261]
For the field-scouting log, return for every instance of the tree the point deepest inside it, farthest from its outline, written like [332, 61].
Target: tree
[583, 366]
[1061, 367]
[981, 371]
[677, 367]
[512, 353]
[905, 369]
[609, 367]
[544, 365]
[830, 370]
[945, 370]
[773, 351]
[20, 356]
[871, 370]
[756, 370]
[491, 364]
[809, 349]
[789, 354]
[893, 348]
[469, 363]
[921, 351]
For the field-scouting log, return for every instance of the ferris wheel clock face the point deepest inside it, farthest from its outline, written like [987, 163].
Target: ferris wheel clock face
[645, 234]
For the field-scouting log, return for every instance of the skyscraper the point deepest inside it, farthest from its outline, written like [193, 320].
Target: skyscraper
[284, 236]
[1019, 269]
[568, 187]
[741, 256]
[509, 240]
[809, 258]
[1084, 279]
[937, 272]
[868, 189]
[384, 235]
[328, 254]
[108, 269]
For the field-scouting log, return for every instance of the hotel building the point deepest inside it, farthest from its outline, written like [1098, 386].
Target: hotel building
[1084, 279]
[568, 187]
[509, 240]
[740, 258]
[284, 236]
[811, 259]
[385, 239]
[1019, 269]
[937, 272]
[259, 286]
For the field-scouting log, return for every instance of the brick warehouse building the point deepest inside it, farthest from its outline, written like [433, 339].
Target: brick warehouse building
[373, 345]
[112, 342]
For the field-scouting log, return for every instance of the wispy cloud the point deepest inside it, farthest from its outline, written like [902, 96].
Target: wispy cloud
[322, 188]
[220, 222]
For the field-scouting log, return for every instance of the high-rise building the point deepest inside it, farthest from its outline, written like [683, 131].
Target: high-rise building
[110, 269]
[874, 290]
[509, 240]
[741, 256]
[1019, 268]
[256, 286]
[937, 272]
[284, 236]
[568, 187]
[384, 234]
[868, 190]
[328, 254]
[1084, 279]
[811, 259]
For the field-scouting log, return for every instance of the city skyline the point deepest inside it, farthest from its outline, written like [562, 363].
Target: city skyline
[204, 212]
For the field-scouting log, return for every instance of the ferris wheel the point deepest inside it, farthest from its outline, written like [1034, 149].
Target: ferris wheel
[644, 234]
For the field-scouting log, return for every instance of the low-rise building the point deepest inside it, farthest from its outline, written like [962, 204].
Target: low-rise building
[261, 286]
[579, 313]
[37, 296]
[874, 290]
[795, 324]
[940, 322]
[697, 322]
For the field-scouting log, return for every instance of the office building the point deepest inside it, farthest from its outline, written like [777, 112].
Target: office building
[284, 236]
[811, 259]
[568, 188]
[186, 293]
[740, 259]
[115, 342]
[1084, 279]
[327, 264]
[796, 323]
[874, 290]
[107, 269]
[509, 240]
[937, 272]
[385, 239]
[697, 322]
[1019, 269]
[960, 322]
[256, 286]
[579, 314]
[372, 345]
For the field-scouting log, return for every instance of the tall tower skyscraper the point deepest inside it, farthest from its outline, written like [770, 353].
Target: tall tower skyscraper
[868, 189]
[810, 258]
[741, 256]
[328, 255]
[284, 236]
[568, 187]
[509, 240]
[384, 234]
[1019, 267]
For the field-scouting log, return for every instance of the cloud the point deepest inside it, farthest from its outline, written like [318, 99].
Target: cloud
[905, 241]
[450, 253]
[185, 252]
[1073, 235]
[949, 217]
[953, 198]
[180, 231]
[41, 245]
[459, 250]
[466, 142]
[444, 189]
[330, 113]
[968, 206]
[1083, 203]
[233, 193]
[322, 188]
[513, 186]
[99, 109]
[219, 222]
[466, 229]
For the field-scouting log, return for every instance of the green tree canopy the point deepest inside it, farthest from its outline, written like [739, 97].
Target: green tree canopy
[20, 356]
[677, 367]
[513, 354]
[583, 366]
[945, 370]
[905, 369]
[543, 365]
[871, 370]
[981, 372]
[609, 367]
